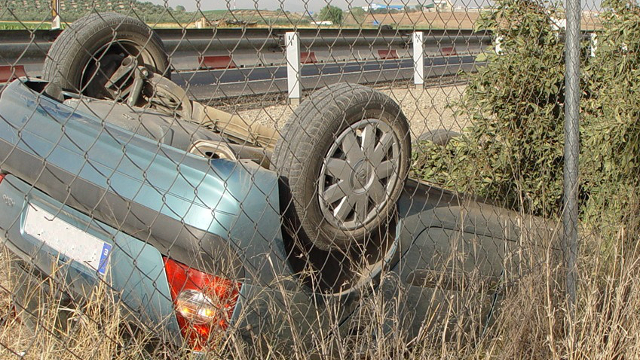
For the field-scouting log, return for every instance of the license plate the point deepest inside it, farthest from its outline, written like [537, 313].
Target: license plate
[67, 239]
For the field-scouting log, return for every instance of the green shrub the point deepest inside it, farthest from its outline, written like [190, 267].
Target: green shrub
[514, 148]
[610, 161]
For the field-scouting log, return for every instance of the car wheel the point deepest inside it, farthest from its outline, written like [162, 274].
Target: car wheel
[86, 55]
[343, 160]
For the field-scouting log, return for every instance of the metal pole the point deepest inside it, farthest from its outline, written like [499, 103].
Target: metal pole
[571, 148]
[418, 59]
[293, 67]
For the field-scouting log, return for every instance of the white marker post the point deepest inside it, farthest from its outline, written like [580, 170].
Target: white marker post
[418, 59]
[499, 39]
[593, 44]
[293, 67]
[55, 14]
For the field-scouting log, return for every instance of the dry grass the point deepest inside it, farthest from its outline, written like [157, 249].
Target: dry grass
[5, 287]
[92, 330]
[532, 320]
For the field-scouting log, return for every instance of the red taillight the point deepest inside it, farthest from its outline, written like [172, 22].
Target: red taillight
[2, 177]
[203, 303]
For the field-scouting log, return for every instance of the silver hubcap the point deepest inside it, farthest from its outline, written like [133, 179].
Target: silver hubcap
[359, 173]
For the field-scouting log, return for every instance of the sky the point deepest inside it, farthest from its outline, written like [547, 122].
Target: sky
[313, 5]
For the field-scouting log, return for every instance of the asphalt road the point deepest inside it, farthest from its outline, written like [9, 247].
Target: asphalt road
[214, 84]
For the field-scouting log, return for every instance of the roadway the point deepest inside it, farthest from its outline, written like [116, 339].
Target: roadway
[216, 84]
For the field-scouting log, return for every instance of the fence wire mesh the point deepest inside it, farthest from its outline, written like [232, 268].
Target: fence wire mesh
[316, 179]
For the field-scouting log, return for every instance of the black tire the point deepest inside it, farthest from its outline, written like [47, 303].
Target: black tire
[90, 50]
[314, 166]
[439, 136]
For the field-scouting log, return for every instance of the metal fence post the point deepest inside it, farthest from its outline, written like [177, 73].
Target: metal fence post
[418, 59]
[571, 149]
[293, 67]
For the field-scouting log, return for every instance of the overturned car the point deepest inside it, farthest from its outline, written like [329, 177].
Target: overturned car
[206, 227]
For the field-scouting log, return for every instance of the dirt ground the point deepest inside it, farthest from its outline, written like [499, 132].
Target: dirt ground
[426, 109]
[428, 19]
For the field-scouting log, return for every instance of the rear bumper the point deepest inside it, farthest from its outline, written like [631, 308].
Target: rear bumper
[134, 273]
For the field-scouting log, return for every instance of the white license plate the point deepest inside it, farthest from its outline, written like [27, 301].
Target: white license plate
[67, 239]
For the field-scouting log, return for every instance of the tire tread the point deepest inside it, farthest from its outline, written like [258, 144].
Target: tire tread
[296, 155]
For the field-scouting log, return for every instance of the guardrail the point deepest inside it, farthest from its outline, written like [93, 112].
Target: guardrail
[228, 48]
[185, 45]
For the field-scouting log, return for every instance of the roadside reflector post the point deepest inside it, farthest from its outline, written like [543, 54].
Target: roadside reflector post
[293, 67]
[418, 59]
[55, 14]
[498, 44]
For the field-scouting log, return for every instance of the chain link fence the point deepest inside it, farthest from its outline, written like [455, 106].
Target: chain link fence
[335, 179]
